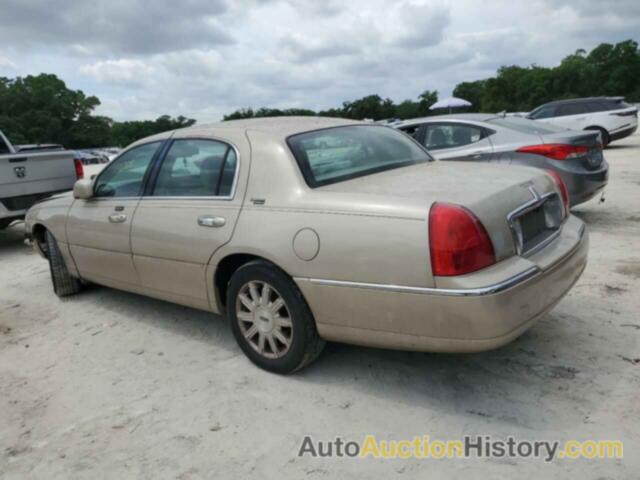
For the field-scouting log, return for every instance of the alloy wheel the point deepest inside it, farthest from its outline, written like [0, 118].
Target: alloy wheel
[264, 319]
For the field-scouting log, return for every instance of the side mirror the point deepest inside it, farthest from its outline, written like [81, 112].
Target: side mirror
[83, 189]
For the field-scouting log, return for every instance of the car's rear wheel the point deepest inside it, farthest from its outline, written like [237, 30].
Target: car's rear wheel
[64, 284]
[270, 319]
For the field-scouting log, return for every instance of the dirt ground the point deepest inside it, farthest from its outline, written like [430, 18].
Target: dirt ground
[113, 385]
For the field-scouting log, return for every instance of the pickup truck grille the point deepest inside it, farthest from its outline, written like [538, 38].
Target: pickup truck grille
[536, 223]
[24, 202]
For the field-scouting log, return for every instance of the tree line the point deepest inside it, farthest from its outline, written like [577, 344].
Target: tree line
[41, 109]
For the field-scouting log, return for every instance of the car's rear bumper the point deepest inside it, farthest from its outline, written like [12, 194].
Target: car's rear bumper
[622, 133]
[585, 185]
[474, 312]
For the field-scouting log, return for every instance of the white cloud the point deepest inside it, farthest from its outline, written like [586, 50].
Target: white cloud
[205, 58]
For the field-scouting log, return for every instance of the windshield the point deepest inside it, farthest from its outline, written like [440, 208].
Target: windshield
[341, 153]
[524, 125]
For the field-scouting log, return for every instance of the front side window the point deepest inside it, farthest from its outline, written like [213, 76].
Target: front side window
[196, 168]
[125, 176]
[451, 136]
[342, 153]
[543, 112]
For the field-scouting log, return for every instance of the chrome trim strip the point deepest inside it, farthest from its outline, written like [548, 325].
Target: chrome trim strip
[488, 290]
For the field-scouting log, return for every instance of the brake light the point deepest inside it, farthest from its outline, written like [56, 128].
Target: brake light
[630, 113]
[79, 168]
[564, 193]
[458, 242]
[555, 151]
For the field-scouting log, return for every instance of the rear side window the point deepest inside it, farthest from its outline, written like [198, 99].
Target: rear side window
[598, 106]
[196, 168]
[571, 109]
[450, 136]
[342, 153]
[543, 112]
[615, 104]
[412, 130]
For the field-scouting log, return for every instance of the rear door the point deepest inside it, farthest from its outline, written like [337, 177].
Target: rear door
[457, 141]
[189, 212]
[98, 229]
[574, 116]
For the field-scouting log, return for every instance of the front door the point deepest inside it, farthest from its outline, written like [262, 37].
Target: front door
[188, 213]
[99, 228]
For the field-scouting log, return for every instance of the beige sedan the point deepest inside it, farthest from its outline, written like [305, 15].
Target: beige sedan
[303, 230]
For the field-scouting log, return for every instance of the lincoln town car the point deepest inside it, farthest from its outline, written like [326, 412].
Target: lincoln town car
[306, 230]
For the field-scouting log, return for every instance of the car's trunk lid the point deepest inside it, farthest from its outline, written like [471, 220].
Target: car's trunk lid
[496, 195]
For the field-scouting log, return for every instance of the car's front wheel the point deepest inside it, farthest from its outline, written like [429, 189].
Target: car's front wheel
[270, 319]
[64, 284]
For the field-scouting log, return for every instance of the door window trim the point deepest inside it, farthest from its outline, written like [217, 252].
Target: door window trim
[145, 178]
[155, 171]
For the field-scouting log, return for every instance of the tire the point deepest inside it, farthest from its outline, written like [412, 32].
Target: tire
[270, 316]
[63, 283]
[603, 134]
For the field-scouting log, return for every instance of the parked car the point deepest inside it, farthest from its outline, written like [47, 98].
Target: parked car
[575, 156]
[87, 157]
[610, 116]
[311, 229]
[29, 173]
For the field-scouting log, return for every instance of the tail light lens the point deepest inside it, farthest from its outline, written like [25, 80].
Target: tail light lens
[556, 151]
[630, 113]
[79, 168]
[564, 193]
[458, 242]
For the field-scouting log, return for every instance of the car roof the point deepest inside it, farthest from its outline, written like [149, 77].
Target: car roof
[278, 126]
[473, 117]
[580, 100]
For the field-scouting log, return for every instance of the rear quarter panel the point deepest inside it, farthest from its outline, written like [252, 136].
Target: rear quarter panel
[377, 244]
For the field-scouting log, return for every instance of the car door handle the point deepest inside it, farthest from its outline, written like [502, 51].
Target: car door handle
[210, 221]
[477, 154]
[117, 218]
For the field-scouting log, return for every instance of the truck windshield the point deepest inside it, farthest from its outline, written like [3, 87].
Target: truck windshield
[341, 153]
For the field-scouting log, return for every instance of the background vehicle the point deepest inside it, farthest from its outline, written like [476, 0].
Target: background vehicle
[611, 116]
[29, 173]
[308, 229]
[575, 156]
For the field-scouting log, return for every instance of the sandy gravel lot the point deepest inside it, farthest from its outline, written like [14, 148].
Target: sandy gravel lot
[114, 385]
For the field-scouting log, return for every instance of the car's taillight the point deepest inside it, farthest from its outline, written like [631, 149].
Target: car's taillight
[629, 113]
[556, 151]
[458, 242]
[79, 168]
[564, 193]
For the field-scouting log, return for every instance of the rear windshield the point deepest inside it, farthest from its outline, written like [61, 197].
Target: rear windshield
[341, 153]
[524, 125]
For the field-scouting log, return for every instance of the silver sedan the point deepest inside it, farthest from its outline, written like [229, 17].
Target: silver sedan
[575, 156]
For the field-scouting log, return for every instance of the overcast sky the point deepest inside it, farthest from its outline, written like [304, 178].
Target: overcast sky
[205, 58]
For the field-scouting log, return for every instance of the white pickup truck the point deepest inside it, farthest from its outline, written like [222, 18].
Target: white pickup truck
[29, 173]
